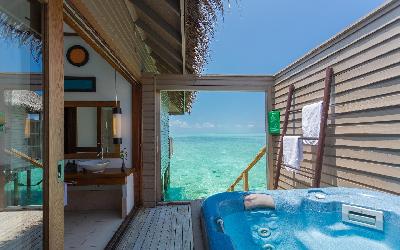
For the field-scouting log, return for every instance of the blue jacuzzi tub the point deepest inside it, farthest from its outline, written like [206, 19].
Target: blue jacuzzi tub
[329, 218]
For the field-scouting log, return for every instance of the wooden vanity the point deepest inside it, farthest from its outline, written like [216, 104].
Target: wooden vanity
[110, 176]
[107, 190]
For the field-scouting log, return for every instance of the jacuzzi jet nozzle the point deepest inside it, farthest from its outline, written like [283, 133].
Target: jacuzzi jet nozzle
[264, 232]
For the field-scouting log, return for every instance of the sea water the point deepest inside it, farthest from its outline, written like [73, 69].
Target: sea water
[202, 165]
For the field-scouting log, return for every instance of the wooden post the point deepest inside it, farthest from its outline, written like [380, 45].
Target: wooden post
[16, 190]
[53, 142]
[2, 190]
[137, 142]
[284, 129]
[269, 141]
[245, 181]
[322, 130]
[28, 185]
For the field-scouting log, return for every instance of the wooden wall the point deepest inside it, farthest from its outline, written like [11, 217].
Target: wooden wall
[363, 139]
[149, 144]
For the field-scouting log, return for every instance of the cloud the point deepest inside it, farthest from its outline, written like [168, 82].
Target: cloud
[208, 125]
[178, 124]
[183, 124]
[204, 125]
[250, 125]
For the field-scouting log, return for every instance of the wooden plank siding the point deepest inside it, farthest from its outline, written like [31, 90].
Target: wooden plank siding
[363, 136]
[149, 142]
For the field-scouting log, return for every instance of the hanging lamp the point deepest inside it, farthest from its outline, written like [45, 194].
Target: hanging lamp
[116, 117]
[27, 130]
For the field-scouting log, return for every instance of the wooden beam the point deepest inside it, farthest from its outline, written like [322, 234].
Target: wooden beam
[157, 19]
[173, 68]
[183, 35]
[151, 33]
[159, 44]
[71, 34]
[174, 6]
[269, 139]
[169, 57]
[162, 69]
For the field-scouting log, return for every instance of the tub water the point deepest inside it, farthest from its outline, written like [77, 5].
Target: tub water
[303, 219]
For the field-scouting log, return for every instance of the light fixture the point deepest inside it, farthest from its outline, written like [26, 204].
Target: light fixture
[2, 121]
[27, 130]
[117, 117]
[117, 122]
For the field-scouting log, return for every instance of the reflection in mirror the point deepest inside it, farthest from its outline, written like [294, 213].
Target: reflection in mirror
[86, 127]
[106, 128]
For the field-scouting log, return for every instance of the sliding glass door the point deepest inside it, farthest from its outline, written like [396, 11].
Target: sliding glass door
[21, 124]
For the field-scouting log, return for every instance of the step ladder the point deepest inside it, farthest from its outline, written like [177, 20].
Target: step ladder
[322, 132]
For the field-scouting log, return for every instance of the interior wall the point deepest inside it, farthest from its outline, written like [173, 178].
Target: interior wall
[105, 91]
[363, 138]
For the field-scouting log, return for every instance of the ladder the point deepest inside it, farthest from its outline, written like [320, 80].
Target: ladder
[322, 132]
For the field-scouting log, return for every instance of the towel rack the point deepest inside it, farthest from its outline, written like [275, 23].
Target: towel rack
[322, 130]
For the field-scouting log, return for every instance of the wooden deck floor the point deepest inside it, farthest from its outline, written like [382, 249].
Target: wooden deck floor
[162, 227]
[21, 229]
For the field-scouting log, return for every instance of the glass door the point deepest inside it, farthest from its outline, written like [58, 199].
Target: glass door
[21, 125]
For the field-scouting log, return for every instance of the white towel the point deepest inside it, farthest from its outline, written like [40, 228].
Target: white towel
[311, 119]
[65, 194]
[292, 152]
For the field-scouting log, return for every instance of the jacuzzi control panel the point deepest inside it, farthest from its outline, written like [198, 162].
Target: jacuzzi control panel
[362, 216]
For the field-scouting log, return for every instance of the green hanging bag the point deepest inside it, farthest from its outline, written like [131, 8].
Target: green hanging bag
[274, 122]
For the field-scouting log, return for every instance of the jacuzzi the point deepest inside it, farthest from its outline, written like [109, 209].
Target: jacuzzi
[328, 218]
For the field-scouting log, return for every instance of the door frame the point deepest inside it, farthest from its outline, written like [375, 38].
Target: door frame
[152, 87]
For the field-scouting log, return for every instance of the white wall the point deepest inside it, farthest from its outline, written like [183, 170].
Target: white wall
[105, 91]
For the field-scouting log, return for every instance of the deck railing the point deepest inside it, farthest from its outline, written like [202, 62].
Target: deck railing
[245, 173]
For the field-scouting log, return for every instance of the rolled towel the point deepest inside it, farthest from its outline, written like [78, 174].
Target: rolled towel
[310, 121]
[292, 152]
[253, 201]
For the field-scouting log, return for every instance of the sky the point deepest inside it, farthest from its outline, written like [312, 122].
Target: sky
[261, 37]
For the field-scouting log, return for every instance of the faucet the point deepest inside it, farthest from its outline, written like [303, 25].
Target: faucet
[100, 150]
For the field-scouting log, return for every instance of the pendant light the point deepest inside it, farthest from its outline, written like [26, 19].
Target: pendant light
[117, 117]
[27, 130]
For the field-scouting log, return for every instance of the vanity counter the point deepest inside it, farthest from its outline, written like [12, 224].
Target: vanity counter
[89, 191]
[110, 176]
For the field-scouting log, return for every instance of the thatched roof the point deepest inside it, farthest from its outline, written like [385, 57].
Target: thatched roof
[181, 102]
[26, 99]
[16, 30]
[201, 17]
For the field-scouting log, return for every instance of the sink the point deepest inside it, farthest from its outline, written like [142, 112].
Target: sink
[94, 166]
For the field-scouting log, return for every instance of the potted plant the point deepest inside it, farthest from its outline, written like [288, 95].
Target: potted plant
[124, 156]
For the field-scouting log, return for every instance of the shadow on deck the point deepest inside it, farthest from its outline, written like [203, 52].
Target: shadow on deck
[167, 226]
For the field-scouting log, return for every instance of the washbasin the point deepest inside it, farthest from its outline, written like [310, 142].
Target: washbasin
[94, 166]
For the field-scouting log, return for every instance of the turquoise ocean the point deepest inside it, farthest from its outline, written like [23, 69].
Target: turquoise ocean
[202, 165]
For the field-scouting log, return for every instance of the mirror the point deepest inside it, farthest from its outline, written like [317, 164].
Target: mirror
[87, 127]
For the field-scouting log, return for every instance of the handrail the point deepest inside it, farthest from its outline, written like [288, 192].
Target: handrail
[24, 156]
[245, 173]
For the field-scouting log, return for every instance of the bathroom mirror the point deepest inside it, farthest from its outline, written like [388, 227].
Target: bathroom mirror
[88, 130]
